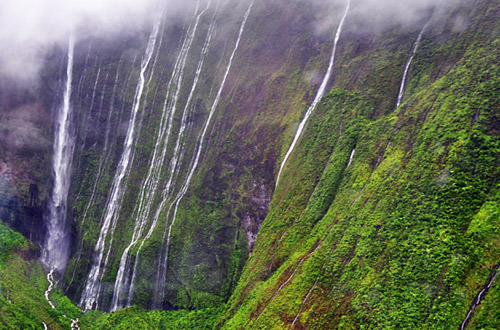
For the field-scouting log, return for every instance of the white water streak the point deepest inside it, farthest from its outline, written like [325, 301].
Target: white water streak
[84, 74]
[106, 157]
[353, 152]
[91, 291]
[94, 90]
[162, 270]
[150, 184]
[302, 305]
[319, 95]
[176, 154]
[50, 278]
[56, 250]
[381, 157]
[103, 155]
[74, 324]
[479, 298]
[52, 286]
[408, 64]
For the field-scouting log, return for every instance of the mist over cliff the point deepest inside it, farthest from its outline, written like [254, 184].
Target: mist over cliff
[30, 28]
[249, 164]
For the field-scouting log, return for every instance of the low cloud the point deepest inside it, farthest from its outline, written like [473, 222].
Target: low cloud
[376, 16]
[29, 28]
[382, 14]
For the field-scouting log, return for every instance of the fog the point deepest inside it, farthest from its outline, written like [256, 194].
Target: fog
[376, 16]
[29, 28]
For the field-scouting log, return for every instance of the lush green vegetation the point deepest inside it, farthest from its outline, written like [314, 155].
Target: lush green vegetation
[22, 284]
[405, 237]
[402, 237]
[137, 318]
[23, 305]
[9, 242]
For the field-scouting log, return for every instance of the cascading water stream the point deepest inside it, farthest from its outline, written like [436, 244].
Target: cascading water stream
[408, 65]
[52, 286]
[480, 297]
[402, 87]
[110, 141]
[83, 75]
[178, 154]
[86, 118]
[151, 182]
[50, 278]
[55, 254]
[303, 304]
[159, 291]
[90, 295]
[351, 157]
[319, 94]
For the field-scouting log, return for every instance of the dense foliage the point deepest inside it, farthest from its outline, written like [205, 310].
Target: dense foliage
[406, 235]
[383, 219]
[22, 284]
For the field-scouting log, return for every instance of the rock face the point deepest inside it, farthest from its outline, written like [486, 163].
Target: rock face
[24, 153]
[395, 234]
[253, 219]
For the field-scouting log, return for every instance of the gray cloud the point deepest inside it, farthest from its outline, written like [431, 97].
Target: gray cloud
[28, 28]
[376, 16]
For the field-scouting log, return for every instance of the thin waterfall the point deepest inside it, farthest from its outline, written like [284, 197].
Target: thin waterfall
[84, 123]
[83, 74]
[55, 254]
[159, 291]
[90, 295]
[408, 64]
[319, 94]
[110, 141]
[151, 182]
[177, 154]
[351, 157]
[303, 304]
[52, 286]
[94, 90]
[477, 301]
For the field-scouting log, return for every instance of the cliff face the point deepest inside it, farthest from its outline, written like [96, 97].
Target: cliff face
[378, 215]
[384, 216]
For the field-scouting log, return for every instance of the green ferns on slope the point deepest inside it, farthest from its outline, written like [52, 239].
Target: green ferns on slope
[22, 284]
[403, 238]
[23, 305]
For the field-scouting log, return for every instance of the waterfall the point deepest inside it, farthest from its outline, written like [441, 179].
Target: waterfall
[90, 295]
[55, 254]
[177, 155]
[161, 277]
[480, 296]
[353, 152]
[319, 94]
[408, 64]
[150, 184]
[109, 142]
[303, 304]
[52, 286]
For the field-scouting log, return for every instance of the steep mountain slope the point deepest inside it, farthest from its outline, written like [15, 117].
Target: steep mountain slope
[402, 235]
[385, 215]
